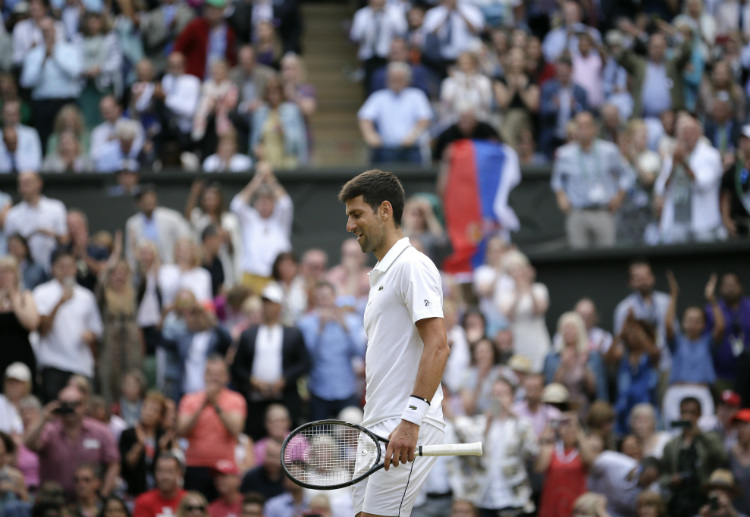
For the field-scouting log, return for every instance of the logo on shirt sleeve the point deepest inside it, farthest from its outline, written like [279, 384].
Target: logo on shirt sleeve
[380, 288]
[427, 303]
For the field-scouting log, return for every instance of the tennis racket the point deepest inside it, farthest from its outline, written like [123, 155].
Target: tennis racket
[331, 454]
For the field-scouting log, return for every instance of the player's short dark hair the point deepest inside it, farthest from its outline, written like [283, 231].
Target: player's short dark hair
[376, 186]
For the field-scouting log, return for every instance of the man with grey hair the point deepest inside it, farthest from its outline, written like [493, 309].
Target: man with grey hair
[125, 150]
[106, 144]
[392, 121]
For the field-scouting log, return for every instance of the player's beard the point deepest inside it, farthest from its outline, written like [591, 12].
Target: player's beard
[371, 240]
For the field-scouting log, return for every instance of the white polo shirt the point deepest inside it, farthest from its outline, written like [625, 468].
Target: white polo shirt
[27, 220]
[404, 288]
[62, 347]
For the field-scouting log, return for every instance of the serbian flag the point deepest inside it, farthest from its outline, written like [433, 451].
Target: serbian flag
[481, 174]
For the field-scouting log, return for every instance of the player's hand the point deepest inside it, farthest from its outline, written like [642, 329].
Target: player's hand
[402, 444]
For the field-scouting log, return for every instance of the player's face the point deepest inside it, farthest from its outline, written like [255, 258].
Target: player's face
[364, 222]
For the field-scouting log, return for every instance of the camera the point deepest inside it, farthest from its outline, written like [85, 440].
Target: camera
[64, 409]
[713, 502]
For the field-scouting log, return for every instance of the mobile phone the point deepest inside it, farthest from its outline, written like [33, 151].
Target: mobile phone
[713, 502]
[63, 409]
[682, 424]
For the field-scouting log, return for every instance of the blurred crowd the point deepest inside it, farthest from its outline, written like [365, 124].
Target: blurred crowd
[158, 369]
[640, 108]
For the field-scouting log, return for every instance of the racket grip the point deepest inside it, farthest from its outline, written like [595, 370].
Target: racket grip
[456, 449]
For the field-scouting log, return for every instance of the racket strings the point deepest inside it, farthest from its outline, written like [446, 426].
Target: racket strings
[329, 454]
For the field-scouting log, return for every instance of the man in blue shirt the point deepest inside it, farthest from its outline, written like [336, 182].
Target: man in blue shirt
[333, 338]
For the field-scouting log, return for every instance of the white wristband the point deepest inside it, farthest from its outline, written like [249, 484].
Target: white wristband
[415, 410]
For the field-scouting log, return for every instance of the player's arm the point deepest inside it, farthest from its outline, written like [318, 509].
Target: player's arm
[403, 439]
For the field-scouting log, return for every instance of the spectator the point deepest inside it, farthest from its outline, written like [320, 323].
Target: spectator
[374, 28]
[527, 151]
[102, 63]
[87, 485]
[191, 336]
[227, 159]
[60, 443]
[18, 317]
[142, 444]
[420, 222]
[334, 338]
[206, 39]
[265, 44]
[395, 138]
[168, 494]
[657, 81]
[69, 118]
[253, 504]
[312, 271]
[612, 128]
[113, 506]
[14, 484]
[517, 97]
[186, 273]
[477, 385]
[206, 207]
[5, 203]
[465, 85]
[51, 70]
[268, 478]
[124, 152]
[511, 441]
[296, 90]
[535, 406]
[421, 78]
[463, 508]
[209, 253]
[349, 277]
[270, 358]
[20, 148]
[450, 28]
[284, 273]
[131, 393]
[69, 329]
[739, 458]
[118, 305]
[735, 185]
[210, 420]
[688, 189]
[219, 96]
[143, 105]
[90, 258]
[574, 366]
[266, 225]
[721, 489]
[735, 309]
[590, 181]
[524, 305]
[180, 93]
[227, 479]
[11, 422]
[277, 423]
[642, 423]
[721, 127]
[565, 457]
[588, 65]
[622, 480]
[688, 461]
[469, 126]
[27, 34]
[278, 130]
[106, 149]
[564, 38]
[293, 501]
[68, 157]
[160, 28]
[251, 79]
[31, 273]
[720, 81]
[152, 223]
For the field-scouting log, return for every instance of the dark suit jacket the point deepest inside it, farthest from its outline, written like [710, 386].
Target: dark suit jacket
[548, 110]
[711, 130]
[135, 476]
[286, 17]
[295, 362]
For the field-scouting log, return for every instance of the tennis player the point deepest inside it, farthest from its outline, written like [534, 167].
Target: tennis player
[407, 346]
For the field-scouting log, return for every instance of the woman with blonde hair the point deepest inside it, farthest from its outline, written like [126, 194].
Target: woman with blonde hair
[574, 366]
[517, 95]
[123, 346]
[193, 504]
[465, 85]
[524, 305]
[69, 118]
[650, 504]
[18, 317]
[642, 422]
[102, 63]
[185, 273]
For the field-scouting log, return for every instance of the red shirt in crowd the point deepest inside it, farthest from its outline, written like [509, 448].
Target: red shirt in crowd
[152, 504]
[220, 508]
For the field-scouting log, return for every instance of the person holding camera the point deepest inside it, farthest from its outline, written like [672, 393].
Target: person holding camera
[64, 438]
[721, 489]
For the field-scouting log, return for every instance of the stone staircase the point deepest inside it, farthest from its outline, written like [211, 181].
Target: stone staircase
[330, 60]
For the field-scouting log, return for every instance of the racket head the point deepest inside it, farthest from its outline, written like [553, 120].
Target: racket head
[330, 454]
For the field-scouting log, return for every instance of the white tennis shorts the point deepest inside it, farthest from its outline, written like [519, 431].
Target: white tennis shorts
[392, 493]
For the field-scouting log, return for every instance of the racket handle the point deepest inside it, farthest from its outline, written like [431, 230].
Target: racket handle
[456, 449]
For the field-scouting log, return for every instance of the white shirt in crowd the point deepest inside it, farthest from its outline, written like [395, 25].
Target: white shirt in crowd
[26, 220]
[458, 360]
[405, 287]
[375, 30]
[26, 35]
[705, 163]
[172, 280]
[181, 98]
[610, 475]
[104, 140]
[28, 155]
[62, 347]
[455, 35]
[263, 239]
[395, 114]
[10, 420]
[237, 163]
[267, 365]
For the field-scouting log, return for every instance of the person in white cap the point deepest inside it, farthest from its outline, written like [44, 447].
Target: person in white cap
[10, 420]
[17, 383]
[270, 359]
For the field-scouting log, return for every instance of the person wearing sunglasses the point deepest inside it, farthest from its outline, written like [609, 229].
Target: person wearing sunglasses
[87, 501]
[193, 505]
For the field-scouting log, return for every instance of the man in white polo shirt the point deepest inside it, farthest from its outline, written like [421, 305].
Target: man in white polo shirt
[40, 220]
[69, 327]
[407, 345]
